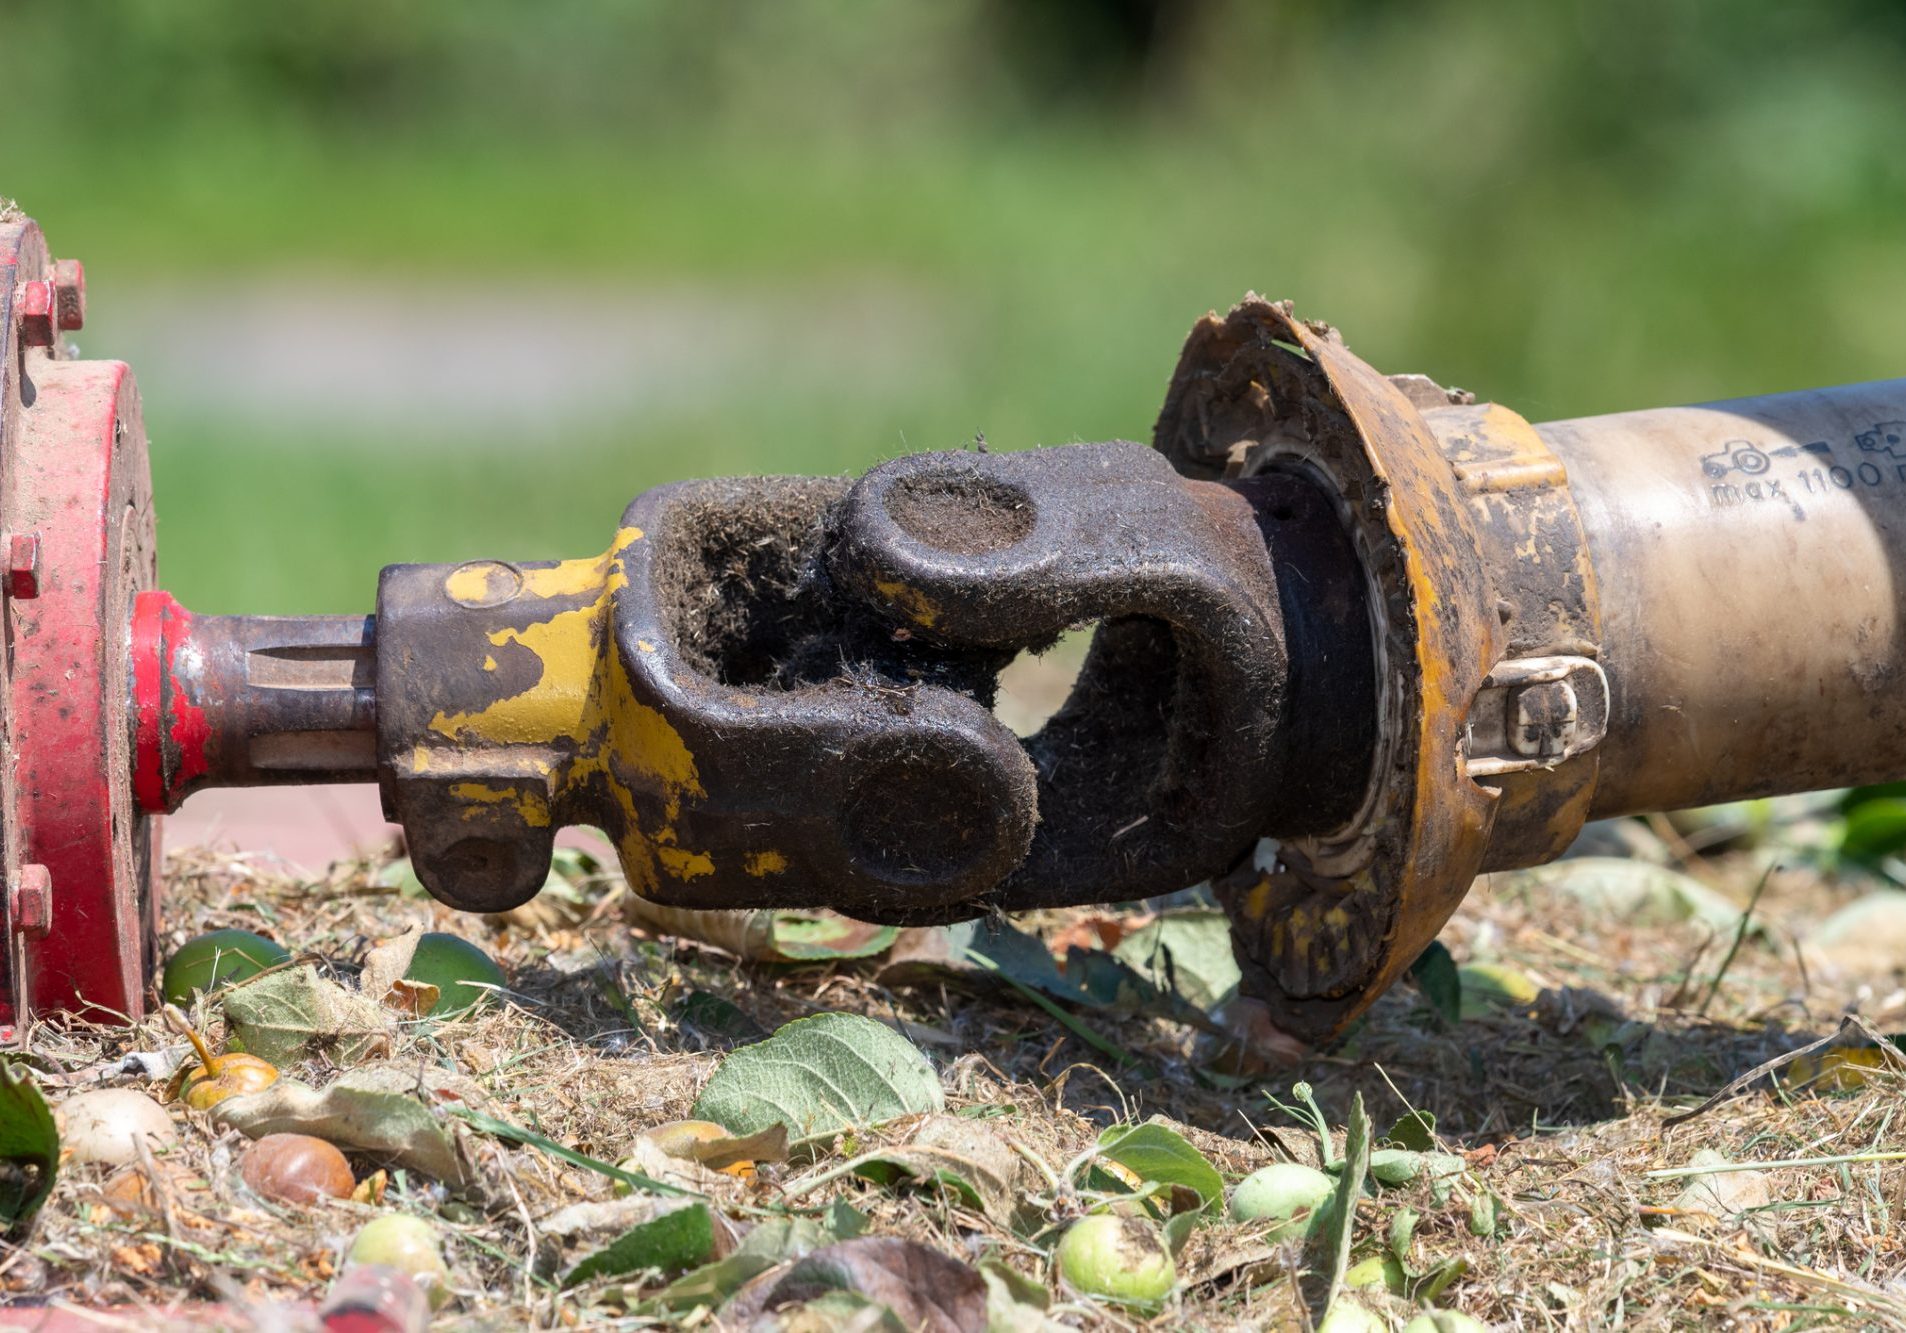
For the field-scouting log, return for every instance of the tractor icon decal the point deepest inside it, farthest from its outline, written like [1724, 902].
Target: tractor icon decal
[1886, 437]
[1743, 456]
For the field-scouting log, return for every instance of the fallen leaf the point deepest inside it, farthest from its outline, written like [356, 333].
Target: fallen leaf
[391, 1110]
[371, 1189]
[835, 1312]
[991, 953]
[1866, 937]
[282, 1017]
[771, 1243]
[1488, 988]
[385, 966]
[818, 936]
[1015, 1303]
[927, 1291]
[402, 876]
[1417, 1131]
[1625, 890]
[956, 1154]
[29, 1146]
[1841, 1068]
[1157, 1155]
[819, 1076]
[1725, 1195]
[1185, 953]
[413, 999]
[1095, 931]
[652, 1235]
[1441, 981]
[648, 1158]
[766, 935]
[719, 1151]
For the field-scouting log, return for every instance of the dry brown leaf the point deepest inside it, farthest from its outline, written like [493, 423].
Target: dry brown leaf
[413, 999]
[386, 964]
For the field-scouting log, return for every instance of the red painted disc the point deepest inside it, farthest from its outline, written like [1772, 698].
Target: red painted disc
[73, 470]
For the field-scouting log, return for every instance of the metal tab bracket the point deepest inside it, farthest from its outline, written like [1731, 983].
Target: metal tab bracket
[1536, 712]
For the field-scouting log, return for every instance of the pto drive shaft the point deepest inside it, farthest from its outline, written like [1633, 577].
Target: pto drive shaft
[1367, 640]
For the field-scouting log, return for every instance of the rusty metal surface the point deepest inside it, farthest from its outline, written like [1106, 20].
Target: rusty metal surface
[246, 701]
[1750, 555]
[778, 691]
[1534, 729]
[1324, 923]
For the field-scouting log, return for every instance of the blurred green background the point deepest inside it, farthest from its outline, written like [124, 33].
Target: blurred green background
[409, 281]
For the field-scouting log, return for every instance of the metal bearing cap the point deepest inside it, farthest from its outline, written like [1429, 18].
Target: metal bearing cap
[1487, 700]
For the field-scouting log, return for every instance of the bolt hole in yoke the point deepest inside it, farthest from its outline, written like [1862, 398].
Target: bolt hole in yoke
[1359, 639]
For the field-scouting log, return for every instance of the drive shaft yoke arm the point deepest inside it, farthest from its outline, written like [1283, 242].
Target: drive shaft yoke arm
[778, 692]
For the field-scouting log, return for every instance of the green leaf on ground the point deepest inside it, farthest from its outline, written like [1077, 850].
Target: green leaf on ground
[773, 1242]
[1874, 829]
[1337, 1217]
[29, 1146]
[672, 1241]
[820, 1076]
[818, 936]
[1442, 985]
[1417, 1130]
[288, 1015]
[402, 876]
[1159, 1155]
[1187, 954]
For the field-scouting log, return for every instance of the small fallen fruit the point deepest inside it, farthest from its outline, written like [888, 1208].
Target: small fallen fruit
[462, 973]
[408, 1244]
[1399, 1166]
[1346, 1316]
[107, 1125]
[1445, 1321]
[1378, 1271]
[1121, 1259]
[217, 959]
[296, 1168]
[1285, 1193]
[215, 1077]
[1493, 988]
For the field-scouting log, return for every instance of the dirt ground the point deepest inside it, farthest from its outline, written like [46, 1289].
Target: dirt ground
[1558, 1100]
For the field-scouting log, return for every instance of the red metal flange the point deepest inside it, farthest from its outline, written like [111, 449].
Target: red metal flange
[76, 511]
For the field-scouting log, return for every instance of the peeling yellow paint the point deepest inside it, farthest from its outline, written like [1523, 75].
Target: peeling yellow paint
[918, 606]
[763, 864]
[481, 583]
[582, 702]
[531, 808]
[683, 864]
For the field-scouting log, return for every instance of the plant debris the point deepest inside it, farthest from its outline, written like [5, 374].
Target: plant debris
[923, 1131]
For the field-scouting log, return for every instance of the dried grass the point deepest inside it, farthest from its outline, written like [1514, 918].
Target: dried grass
[1559, 1109]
